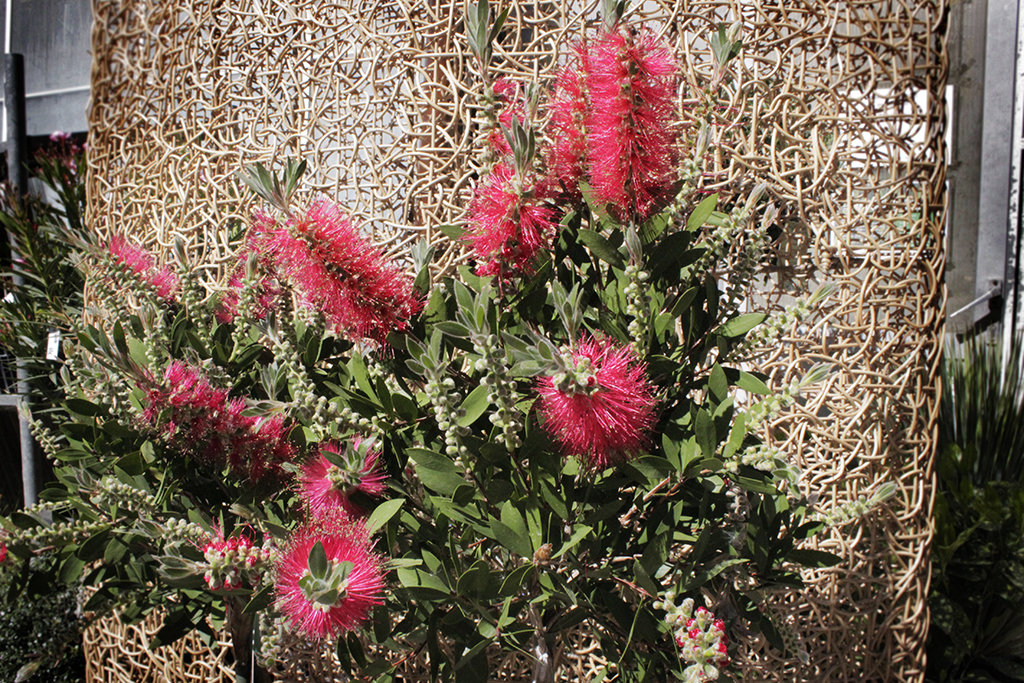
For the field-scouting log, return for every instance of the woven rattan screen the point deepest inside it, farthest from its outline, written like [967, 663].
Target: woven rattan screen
[837, 105]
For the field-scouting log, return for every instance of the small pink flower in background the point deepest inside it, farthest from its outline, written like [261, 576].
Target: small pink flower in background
[631, 80]
[601, 409]
[338, 272]
[3, 552]
[325, 487]
[205, 423]
[268, 291]
[139, 261]
[59, 136]
[568, 155]
[509, 92]
[510, 223]
[302, 601]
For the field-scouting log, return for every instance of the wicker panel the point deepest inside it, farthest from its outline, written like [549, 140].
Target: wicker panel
[837, 105]
[119, 653]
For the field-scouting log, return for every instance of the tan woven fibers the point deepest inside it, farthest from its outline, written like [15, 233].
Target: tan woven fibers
[119, 653]
[837, 105]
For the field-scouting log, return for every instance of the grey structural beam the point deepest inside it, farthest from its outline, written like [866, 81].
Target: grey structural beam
[17, 158]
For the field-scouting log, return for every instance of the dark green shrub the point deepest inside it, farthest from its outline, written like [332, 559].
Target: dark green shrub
[40, 637]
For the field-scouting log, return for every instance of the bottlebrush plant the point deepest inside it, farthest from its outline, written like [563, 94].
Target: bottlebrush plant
[395, 466]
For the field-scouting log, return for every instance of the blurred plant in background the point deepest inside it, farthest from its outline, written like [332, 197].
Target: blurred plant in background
[977, 600]
[41, 636]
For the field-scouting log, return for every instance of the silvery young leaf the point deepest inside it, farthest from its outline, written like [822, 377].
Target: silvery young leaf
[317, 561]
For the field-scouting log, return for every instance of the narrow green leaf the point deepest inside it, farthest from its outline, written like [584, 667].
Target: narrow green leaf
[475, 405]
[508, 538]
[704, 430]
[580, 531]
[600, 247]
[383, 513]
[702, 212]
[741, 324]
[260, 601]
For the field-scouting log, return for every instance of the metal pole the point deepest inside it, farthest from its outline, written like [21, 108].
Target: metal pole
[17, 149]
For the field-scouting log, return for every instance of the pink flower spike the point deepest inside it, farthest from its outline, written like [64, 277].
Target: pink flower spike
[510, 93]
[602, 409]
[338, 272]
[568, 155]
[510, 224]
[343, 541]
[631, 79]
[140, 262]
[325, 487]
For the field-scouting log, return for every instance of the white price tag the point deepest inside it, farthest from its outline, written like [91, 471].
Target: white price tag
[53, 345]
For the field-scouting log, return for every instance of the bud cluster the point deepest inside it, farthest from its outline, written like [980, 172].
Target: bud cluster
[638, 307]
[768, 407]
[501, 389]
[860, 506]
[234, 560]
[273, 630]
[321, 412]
[177, 530]
[701, 638]
[774, 327]
[47, 439]
[447, 411]
[577, 375]
[733, 228]
[60, 533]
[111, 492]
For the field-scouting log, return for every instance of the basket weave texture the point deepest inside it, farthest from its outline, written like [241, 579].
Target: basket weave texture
[837, 105]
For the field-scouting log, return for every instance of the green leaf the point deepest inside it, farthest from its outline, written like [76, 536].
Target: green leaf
[317, 561]
[94, 547]
[812, 558]
[508, 538]
[580, 531]
[511, 518]
[453, 232]
[425, 583]
[82, 407]
[751, 383]
[383, 513]
[475, 405]
[741, 324]
[718, 383]
[71, 569]
[600, 247]
[515, 580]
[260, 601]
[704, 430]
[437, 472]
[702, 212]
[453, 329]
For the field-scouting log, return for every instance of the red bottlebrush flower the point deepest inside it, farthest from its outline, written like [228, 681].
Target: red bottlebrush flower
[602, 409]
[509, 93]
[325, 487]
[510, 223]
[338, 272]
[631, 79]
[203, 422]
[568, 155]
[297, 592]
[163, 281]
